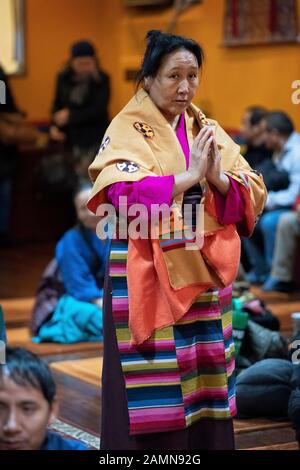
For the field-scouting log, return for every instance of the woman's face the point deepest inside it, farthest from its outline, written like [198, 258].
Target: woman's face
[84, 66]
[84, 215]
[175, 84]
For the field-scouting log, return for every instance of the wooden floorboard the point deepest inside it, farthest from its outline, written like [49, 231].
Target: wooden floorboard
[287, 446]
[73, 356]
[242, 426]
[262, 438]
[87, 370]
[80, 402]
[17, 312]
[20, 337]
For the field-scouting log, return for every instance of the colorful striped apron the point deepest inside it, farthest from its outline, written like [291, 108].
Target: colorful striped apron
[184, 372]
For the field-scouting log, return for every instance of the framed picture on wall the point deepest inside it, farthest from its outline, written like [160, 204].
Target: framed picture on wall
[254, 22]
[12, 56]
[156, 3]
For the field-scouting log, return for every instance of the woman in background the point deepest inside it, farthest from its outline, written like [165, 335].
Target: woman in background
[80, 259]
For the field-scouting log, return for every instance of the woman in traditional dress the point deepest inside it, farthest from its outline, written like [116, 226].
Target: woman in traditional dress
[168, 371]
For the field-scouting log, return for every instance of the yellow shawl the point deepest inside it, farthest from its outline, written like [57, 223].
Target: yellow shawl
[138, 143]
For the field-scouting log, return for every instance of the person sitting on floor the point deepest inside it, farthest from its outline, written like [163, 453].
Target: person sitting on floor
[28, 405]
[282, 138]
[253, 135]
[259, 157]
[287, 234]
[81, 257]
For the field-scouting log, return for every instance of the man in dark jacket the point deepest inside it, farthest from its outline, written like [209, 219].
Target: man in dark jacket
[252, 134]
[79, 112]
[259, 157]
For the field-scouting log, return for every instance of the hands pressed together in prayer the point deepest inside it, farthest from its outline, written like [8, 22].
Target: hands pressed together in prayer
[205, 162]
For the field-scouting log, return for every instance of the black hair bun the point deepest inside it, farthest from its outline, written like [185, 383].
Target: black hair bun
[153, 35]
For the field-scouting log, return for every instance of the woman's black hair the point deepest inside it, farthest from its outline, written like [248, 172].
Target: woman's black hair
[159, 45]
[25, 368]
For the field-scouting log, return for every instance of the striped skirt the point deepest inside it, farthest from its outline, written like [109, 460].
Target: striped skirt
[176, 390]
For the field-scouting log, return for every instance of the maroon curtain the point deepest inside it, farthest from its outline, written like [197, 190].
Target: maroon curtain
[249, 22]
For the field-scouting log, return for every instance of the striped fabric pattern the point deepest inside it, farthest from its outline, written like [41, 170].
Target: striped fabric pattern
[183, 372]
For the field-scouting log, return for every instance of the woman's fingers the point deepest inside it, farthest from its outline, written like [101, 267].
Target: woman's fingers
[203, 131]
[203, 139]
[215, 149]
[207, 145]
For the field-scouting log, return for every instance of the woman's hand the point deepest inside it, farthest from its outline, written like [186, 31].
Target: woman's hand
[56, 134]
[214, 172]
[61, 118]
[198, 164]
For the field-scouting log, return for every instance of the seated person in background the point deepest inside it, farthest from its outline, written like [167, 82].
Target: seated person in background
[28, 405]
[80, 108]
[253, 135]
[81, 257]
[282, 139]
[259, 157]
[287, 234]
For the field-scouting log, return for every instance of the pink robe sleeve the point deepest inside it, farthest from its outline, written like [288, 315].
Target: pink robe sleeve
[158, 190]
[150, 190]
[230, 208]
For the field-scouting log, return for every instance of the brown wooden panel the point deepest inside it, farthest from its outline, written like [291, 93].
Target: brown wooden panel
[17, 312]
[80, 403]
[265, 437]
[257, 424]
[20, 337]
[21, 269]
[287, 446]
[87, 370]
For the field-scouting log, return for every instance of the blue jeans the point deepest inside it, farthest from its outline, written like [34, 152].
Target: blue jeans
[260, 247]
[5, 205]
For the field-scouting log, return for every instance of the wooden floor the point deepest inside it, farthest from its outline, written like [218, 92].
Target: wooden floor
[78, 381]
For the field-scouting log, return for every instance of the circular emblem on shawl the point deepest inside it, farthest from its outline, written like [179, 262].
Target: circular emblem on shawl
[104, 144]
[129, 167]
[144, 129]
